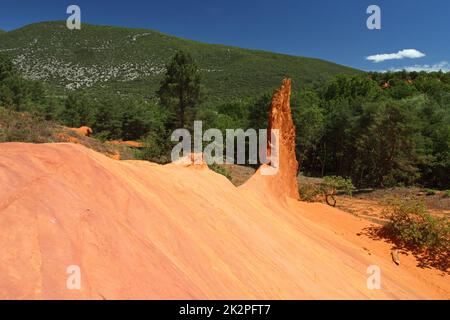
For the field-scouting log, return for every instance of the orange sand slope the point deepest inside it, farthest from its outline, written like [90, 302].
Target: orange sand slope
[141, 230]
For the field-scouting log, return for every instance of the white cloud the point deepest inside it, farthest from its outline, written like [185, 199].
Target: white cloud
[407, 53]
[443, 66]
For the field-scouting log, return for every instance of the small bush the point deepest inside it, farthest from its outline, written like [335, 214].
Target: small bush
[328, 188]
[333, 184]
[309, 192]
[156, 148]
[429, 192]
[446, 194]
[411, 224]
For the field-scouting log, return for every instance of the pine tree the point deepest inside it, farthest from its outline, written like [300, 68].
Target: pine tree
[180, 89]
[6, 67]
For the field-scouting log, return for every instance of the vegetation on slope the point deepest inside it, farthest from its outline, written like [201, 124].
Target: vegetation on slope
[104, 59]
[23, 127]
[410, 227]
[413, 226]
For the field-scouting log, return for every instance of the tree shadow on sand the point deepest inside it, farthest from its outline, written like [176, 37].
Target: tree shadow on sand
[437, 258]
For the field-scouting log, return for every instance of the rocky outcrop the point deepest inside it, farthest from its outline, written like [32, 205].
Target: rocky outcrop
[283, 183]
[82, 131]
[280, 118]
[131, 144]
[196, 160]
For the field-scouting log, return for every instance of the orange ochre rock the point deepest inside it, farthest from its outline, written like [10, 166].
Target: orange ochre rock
[132, 144]
[82, 131]
[70, 216]
[280, 117]
[284, 182]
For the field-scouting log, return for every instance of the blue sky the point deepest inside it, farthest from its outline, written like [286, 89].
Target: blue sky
[327, 29]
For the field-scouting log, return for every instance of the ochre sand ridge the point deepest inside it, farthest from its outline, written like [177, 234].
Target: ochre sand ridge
[140, 230]
[147, 231]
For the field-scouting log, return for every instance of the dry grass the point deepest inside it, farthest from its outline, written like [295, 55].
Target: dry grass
[23, 127]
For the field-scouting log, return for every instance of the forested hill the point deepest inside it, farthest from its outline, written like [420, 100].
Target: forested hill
[131, 61]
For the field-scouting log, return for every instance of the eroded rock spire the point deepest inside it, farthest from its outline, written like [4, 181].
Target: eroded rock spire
[284, 181]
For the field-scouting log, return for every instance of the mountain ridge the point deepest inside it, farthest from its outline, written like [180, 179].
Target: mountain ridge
[132, 61]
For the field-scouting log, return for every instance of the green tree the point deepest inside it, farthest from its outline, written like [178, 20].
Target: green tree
[20, 92]
[259, 112]
[78, 111]
[309, 120]
[108, 118]
[180, 90]
[6, 67]
[386, 145]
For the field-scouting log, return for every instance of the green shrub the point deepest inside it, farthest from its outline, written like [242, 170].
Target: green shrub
[446, 194]
[411, 224]
[429, 192]
[328, 188]
[309, 191]
[156, 148]
[333, 184]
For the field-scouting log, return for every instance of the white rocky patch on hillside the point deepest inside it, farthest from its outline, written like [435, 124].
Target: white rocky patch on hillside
[75, 76]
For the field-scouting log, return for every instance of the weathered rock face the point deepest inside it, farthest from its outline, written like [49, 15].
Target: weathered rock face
[280, 118]
[283, 183]
[82, 131]
[131, 144]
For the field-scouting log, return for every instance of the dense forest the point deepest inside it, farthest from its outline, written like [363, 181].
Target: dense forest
[379, 129]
